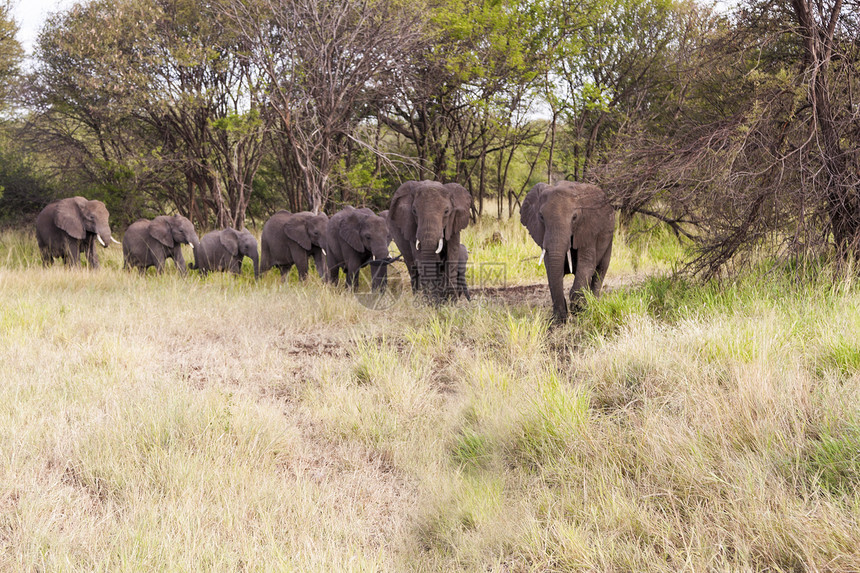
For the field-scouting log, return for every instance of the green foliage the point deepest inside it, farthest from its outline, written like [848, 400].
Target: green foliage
[25, 190]
[833, 460]
[472, 450]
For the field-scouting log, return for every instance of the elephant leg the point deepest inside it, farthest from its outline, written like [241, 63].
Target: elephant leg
[462, 286]
[299, 258]
[73, 252]
[353, 267]
[334, 274]
[285, 270]
[236, 266]
[159, 263]
[585, 267]
[302, 267]
[452, 273]
[179, 261]
[600, 272]
[92, 256]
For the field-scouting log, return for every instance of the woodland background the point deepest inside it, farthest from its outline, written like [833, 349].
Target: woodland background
[738, 126]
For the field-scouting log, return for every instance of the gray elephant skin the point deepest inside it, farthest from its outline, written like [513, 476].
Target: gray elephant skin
[355, 237]
[67, 227]
[574, 224]
[225, 250]
[149, 243]
[291, 239]
[425, 219]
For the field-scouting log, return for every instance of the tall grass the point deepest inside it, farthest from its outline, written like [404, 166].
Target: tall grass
[219, 423]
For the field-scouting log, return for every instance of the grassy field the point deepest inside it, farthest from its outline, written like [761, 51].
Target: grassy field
[182, 424]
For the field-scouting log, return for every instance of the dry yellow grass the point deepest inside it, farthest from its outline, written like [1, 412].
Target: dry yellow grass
[162, 423]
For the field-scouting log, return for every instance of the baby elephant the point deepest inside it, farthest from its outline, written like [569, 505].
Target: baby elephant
[224, 250]
[150, 243]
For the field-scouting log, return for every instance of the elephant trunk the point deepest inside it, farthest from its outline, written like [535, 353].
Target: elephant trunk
[103, 235]
[555, 277]
[255, 258]
[557, 245]
[429, 276]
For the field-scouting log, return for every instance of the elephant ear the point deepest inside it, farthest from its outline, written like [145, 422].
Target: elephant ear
[530, 212]
[296, 230]
[461, 200]
[160, 230]
[68, 217]
[400, 215]
[349, 230]
[230, 241]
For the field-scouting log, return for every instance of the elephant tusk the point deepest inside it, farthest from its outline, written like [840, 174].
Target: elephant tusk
[417, 245]
[570, 261]
[542, 254]
[323, 252]
[191, 245]
[439, 248]
[101, 241]
[115, 241]
[374, 257]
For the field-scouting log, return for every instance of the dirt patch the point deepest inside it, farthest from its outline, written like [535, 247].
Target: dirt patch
[532, 294]
[537, 294]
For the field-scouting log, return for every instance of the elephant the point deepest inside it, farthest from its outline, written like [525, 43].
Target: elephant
[425, 219]
[290, 238]
[573, 223]
[224, 250]
[66, 227]
[462, 264]
[355, 237]
[149, 243]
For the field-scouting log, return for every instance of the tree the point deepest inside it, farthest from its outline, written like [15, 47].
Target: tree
[329, 64]
[143, 94]
[758, 145]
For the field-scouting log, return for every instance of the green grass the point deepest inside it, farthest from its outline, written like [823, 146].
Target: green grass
[218, 423]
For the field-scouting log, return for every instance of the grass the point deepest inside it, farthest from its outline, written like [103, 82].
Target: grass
[216, 423]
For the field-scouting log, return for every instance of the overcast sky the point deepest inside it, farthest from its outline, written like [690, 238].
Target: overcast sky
[30, 14]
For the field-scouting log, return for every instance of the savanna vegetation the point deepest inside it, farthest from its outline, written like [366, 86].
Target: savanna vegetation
[702, 414]
[219, 423]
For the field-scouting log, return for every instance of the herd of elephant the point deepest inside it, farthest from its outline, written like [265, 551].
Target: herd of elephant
[572, 222]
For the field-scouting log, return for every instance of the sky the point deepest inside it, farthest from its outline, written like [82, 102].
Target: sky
[31, 14]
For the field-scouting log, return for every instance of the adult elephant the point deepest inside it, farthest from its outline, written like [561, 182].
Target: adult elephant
[425, 219]
[574, 224]
[291, 239]
[149, 243]
[67, 227]
[225, 250]
[355, 237]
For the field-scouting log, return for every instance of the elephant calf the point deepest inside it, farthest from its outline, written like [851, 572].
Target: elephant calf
[67, 227]
[150, 243]
[291, 239]
[573, 223]
[225, 250]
